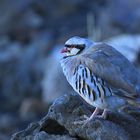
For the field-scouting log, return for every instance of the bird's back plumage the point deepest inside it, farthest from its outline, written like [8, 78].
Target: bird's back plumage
[114, 68]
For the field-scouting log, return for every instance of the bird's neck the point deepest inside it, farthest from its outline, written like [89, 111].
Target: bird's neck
[68, 65]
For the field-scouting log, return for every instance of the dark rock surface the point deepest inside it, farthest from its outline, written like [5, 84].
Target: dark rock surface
[59, 123]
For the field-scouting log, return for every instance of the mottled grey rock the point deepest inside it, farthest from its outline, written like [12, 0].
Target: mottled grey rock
[33, 107]
[45, 136]
[9, 13]
[4, 137]
[8, 125]
[68, 109]
[34, 132]
[118, 17]
[22, 68]
[59, 122]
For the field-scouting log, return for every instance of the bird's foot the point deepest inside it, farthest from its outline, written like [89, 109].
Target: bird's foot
[104, 114]
[94, 115]
[85, 121]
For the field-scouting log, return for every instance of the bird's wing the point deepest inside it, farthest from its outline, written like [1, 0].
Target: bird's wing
[114, 68]
[88, 85]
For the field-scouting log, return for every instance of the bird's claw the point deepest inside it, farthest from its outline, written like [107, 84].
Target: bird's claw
[82, 122]
[94, 115]
[88, 119]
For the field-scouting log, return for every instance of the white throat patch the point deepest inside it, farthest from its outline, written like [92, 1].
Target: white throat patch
[74, 51]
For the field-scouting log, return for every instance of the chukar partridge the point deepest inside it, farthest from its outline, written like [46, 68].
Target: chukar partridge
[101, 75]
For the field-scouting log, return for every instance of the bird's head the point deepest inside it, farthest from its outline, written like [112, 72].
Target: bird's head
[75, 45]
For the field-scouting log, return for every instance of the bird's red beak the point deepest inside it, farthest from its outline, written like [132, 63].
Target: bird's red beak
[64, 50]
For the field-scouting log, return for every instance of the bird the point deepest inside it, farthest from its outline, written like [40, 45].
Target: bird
[101, 75]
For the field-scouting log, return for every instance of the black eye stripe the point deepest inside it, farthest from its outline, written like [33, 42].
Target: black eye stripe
[76, 46]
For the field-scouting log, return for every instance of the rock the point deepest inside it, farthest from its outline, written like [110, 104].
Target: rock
[4, 137]
[39, 135]
[9, 13]
[59, 122]
[8, 125]
[117, 17]
[44, 136]
[33, 107]
[22, 68]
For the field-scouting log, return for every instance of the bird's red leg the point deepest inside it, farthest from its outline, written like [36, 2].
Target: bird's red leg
[104, 114]
[94, 114]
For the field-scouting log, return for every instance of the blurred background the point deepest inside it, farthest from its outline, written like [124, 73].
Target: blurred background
[32, 32]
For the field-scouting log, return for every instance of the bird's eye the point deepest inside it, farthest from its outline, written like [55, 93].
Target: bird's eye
[73, 46]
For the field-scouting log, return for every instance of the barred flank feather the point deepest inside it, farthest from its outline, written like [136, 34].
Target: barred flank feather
[89, 86]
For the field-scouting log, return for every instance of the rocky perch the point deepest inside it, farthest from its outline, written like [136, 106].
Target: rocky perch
[59, 124]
